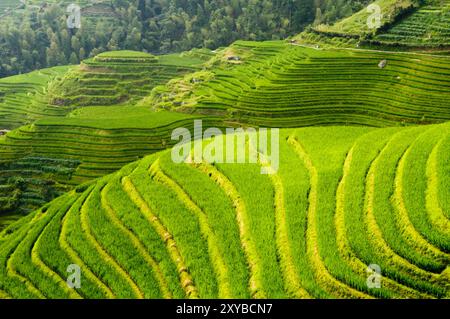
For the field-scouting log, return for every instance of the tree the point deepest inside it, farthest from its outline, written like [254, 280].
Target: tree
[53, 52]
[40, 38]
[319, 17]
[73, 58]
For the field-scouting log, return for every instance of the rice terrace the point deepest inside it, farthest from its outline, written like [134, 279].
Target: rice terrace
[320, 169]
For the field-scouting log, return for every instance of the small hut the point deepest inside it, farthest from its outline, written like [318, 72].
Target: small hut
[382, 64]
[234, 58]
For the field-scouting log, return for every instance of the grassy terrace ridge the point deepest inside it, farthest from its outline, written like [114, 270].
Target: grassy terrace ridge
[287, 85]
[23, 98]
[405, 25]
[40, 159]
[274, 84]
[183, 248]
[87, 178]
[356, 25]
[121, 77]
[428, 26]
[124, 55]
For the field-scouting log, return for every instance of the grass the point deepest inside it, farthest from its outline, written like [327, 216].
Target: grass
[97, 122]
[171, 240]
[197, 186]
[220, 268]
[176, 240]
[120, 77]
[23, 97]
[421, 191]
[352, 216]
[370, 186]
[407, 25]
[117, 117]
[262, 223]
[428, 26]
[285, 85]
[320, 212]
[357, 25]
[124, 56]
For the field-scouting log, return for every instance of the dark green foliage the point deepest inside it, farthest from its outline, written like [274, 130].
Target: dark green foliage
[36, 184]
[32, 38]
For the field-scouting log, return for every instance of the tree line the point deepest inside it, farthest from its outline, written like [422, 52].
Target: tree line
[38, 36]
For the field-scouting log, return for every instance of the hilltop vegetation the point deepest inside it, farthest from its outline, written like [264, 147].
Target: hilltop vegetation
[285, 85]
[405, 25]
[428, 26]
[357, 24]
[118, 77]
[151, 230]
[23, 98]
[273, 84]
[36, 35]
[41, 160]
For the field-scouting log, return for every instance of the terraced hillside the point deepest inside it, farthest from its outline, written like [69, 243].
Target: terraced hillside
[87, 178]
[29, 182]
[98, 137]
[430, 25]
[269, 83]
[287, 85]
[43, 159]
[357, 24]
[121, 77]
[23, 98]
[343, 198]
[408, 24]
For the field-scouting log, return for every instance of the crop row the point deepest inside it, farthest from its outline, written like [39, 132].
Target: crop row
[297, 82]
[343, 199]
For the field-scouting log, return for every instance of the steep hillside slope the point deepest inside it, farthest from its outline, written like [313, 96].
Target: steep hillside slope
[122, 77]
[356, 25]
[287, 85]
[428, 26]
[343, 198]
[405, 25]
[40, 160]
[87, 165]
[23, 98]
[273, 84]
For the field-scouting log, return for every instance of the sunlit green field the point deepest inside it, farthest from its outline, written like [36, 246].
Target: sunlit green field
[341, 200]
[87, 176]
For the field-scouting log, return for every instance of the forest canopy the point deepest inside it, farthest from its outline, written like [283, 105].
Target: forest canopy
[37, 36]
